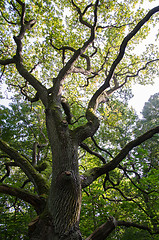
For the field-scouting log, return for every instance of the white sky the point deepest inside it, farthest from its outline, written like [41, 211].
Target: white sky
[142, 95]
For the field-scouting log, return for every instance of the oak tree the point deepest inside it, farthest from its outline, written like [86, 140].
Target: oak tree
[70, 57]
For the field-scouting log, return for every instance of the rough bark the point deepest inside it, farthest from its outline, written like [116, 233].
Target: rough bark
[61, 217]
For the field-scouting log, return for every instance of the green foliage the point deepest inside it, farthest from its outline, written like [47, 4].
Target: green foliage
[21, 124]
[15, 216]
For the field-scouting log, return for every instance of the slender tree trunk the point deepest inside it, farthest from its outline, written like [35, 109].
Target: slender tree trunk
[61, 217]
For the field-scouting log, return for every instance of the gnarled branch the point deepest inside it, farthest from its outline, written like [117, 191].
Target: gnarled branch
[32, 199]
[26, 166]
[96, 172]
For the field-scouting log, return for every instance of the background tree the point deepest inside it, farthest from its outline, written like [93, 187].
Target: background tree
[67, 63]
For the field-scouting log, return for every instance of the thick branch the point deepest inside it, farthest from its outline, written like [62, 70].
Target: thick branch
[7, 61]
[89, 129]
[26, 166]
[17, 39]
[66, 109]
[80, 70]
[104, 230]
[41, 90]
[32, 199]
[94, 173]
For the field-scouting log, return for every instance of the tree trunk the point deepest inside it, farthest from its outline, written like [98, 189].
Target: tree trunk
[61, 217]
[44, 230]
